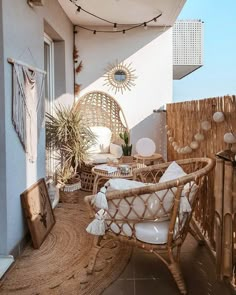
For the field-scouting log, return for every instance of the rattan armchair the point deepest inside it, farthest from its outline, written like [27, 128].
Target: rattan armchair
[100, 109]
[132, 210]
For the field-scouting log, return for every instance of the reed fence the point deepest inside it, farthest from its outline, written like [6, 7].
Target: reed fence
[183, 123]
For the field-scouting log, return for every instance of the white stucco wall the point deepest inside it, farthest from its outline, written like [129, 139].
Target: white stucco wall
[150, 52]
[23, 39]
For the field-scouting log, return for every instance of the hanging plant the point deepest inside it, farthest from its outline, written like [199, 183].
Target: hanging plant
[78, 68]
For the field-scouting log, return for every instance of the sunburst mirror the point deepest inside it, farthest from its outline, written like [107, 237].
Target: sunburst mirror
[119, 77]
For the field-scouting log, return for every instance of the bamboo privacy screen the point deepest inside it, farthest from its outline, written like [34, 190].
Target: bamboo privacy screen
[184, 121]
[225, 218]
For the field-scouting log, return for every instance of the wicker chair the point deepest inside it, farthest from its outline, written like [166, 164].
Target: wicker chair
[146, 205]
[100, 109]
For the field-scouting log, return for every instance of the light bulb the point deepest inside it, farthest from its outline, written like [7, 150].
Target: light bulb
[115, 27]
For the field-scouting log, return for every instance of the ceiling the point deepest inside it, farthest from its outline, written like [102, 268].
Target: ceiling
[123, 11]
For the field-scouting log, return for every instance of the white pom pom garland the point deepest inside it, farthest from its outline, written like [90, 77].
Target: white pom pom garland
[218, 117]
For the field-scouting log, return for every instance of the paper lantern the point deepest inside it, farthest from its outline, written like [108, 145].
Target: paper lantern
[187, 150]
[218, 117]
[145, 147]
[229, 138]
[199, 137]
[179, 150]
[194, 145]
[206, 125]
[176, 147]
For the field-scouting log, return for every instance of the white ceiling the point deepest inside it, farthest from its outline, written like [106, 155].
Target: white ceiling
[123, 11]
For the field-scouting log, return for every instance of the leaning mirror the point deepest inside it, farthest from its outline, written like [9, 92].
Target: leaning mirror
[119, 77]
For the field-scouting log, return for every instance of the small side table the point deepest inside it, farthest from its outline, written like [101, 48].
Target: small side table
[151, 160]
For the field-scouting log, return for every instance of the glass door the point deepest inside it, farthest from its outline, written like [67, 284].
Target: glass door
[49, 95]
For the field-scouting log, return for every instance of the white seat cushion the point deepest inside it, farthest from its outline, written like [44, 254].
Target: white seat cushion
[148, 232]
[103, 139]
[152, 232]
[100, 158]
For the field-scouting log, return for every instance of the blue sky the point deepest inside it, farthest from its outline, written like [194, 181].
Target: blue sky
[217, 77]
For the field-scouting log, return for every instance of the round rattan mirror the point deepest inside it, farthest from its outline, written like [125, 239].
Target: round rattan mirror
[119, 77]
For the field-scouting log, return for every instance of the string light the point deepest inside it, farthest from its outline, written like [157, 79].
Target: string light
[115, 25]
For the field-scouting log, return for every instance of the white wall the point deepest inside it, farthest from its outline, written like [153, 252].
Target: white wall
[150, 52]
[23, 39]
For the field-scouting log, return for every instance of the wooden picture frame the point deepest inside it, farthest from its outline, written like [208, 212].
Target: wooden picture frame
[38, 211]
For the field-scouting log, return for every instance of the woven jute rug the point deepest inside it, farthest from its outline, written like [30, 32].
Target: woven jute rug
[59, 266]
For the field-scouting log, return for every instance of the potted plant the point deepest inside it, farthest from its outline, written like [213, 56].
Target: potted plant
[68, 135]
[126, 147]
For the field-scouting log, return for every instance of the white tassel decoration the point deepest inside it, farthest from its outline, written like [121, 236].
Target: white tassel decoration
[98, 226]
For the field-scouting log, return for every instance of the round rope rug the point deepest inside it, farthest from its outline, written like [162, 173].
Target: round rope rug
[59, 266]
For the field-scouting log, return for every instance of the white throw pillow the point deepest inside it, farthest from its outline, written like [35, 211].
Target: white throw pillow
[172, 172]
[116, 150]
[103, 139]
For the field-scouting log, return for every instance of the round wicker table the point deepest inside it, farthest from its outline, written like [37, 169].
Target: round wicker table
[101, 176]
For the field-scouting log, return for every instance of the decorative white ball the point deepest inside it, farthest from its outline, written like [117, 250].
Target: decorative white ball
[145, 147]
[229, 138]
[206, 125]
[182, 150]
[168, 132]
[179, 150]
[174, 143]
[171, 139]
[187, 150]
[199, 137]
[218, 117]
[194, 145]
[176, 147]
[166, 127]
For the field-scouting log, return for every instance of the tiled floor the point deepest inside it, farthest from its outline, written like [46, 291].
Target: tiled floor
[147, 275]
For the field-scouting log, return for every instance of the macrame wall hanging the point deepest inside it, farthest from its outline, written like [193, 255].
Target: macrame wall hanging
[27, 105]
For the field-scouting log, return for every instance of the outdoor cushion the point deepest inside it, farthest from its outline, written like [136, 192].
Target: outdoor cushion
[174, 171]
[100, 158]
[148, 232]
[152, 232]
[103, 139]
[116, 150]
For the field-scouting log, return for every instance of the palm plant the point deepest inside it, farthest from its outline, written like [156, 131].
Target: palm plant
[68, 135]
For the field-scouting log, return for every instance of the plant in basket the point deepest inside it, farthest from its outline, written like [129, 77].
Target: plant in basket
[70, 138]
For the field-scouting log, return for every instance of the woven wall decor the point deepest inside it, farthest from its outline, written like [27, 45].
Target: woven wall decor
[119, 77]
